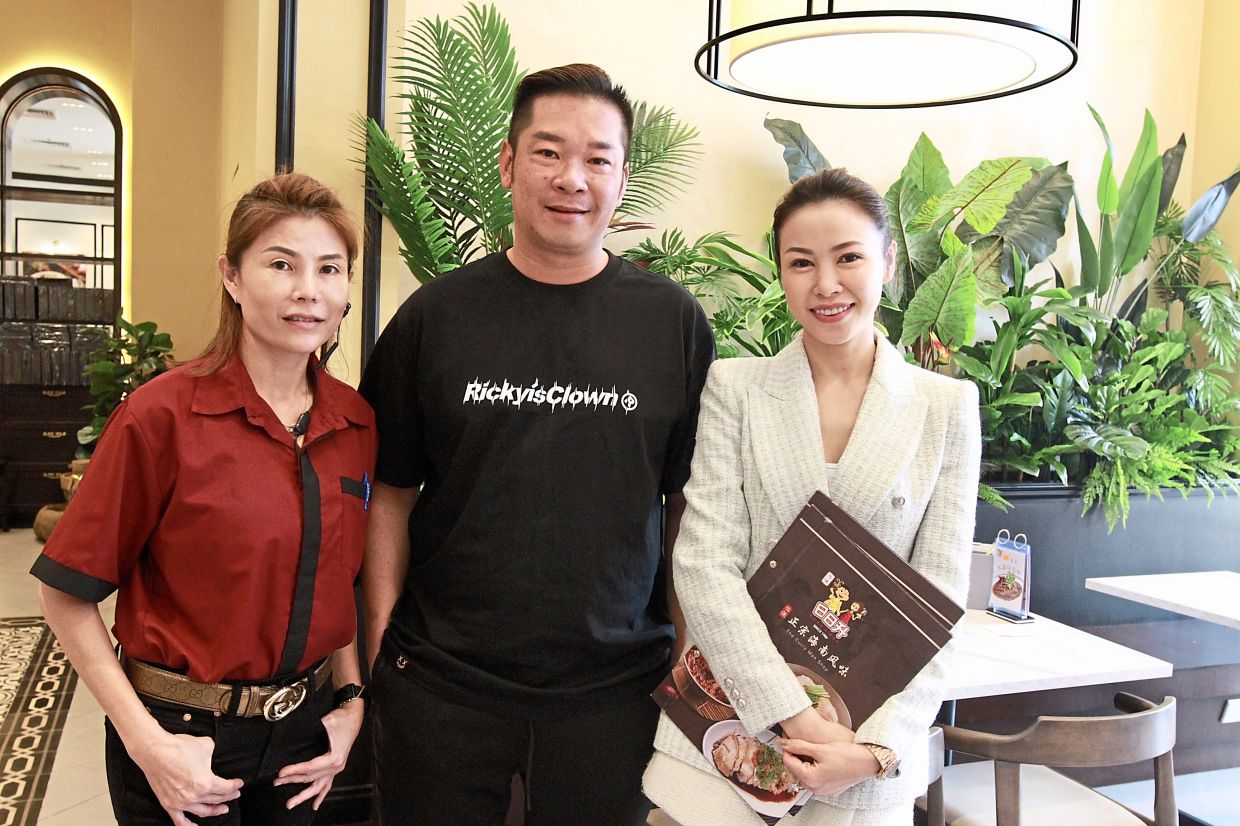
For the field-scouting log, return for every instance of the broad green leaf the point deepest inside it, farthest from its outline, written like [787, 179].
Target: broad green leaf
[1108, 190]
[1106, 257]
[903, 200]
[1057, 395]
[1057, 465]
[944, 304]
[1034, 221]
[1107, 440]
[991, 268]
[982, 196]
[974, 368]
[1035, 162]
[800, 154]
[1135, 228]
[1171, 161]
[1208, 209]
[1145, 153]
[1089, 253]
[950, 243]
[925, 168]
[1017, 400]
[1003, 349]
[1058, 346]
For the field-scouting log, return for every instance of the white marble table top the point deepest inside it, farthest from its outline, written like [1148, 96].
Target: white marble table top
[1213, 596]
[995, 657]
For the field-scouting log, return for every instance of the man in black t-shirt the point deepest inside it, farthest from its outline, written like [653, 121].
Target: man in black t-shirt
[536, 410]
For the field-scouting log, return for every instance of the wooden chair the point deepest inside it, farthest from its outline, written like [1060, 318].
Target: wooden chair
[932, 802]
[1143, 731]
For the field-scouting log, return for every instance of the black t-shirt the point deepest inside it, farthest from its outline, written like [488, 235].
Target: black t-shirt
[544, 424]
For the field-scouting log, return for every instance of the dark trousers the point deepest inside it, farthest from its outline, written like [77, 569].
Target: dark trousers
[444, 763]
[251, 748]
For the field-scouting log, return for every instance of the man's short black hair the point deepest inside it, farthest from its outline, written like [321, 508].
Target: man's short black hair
[581, 79]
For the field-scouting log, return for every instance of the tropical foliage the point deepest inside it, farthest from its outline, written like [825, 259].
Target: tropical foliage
[443, 196]
[1082, 384]
[125, 362]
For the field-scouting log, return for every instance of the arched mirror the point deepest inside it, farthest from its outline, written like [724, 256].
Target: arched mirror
[60, 165]
[60, 275]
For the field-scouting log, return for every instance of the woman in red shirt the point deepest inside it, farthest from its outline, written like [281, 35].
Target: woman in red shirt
[226, 506]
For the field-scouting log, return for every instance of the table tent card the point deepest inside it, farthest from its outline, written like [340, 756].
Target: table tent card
[1009, 580]
[854, 622]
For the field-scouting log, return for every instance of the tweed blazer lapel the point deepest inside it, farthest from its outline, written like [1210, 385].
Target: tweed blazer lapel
[884, 440]
[787, 440]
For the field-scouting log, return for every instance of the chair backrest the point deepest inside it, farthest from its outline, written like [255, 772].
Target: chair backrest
[1143, 731]
[934, 789]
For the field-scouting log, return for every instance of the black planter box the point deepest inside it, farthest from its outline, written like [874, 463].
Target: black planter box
[1163, 536]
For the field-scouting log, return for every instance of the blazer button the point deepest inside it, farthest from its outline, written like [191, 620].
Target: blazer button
[897, 502]
[739, 704]
[735, 693]
[728, 683]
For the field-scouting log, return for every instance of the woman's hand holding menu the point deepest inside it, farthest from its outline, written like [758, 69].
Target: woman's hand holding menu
[810, 726]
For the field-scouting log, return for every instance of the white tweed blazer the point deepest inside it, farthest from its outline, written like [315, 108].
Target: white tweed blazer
[909, 473]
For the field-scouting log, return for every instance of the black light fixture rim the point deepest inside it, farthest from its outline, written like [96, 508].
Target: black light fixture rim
[715, 42]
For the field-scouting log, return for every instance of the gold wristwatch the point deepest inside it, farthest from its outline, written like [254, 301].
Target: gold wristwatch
[888, 763]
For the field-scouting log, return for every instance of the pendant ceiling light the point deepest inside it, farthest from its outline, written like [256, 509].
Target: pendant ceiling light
[860, 56]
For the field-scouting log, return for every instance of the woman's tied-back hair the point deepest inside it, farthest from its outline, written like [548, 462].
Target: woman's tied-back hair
[581, 79]
[284, 195]
[832, 185]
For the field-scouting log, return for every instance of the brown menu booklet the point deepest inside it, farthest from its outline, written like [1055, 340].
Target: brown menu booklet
[854, 622]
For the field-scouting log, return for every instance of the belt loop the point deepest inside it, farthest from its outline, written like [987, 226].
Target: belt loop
[234, 702]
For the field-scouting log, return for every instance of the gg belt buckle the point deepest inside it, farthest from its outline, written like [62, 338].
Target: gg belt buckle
[285, 701]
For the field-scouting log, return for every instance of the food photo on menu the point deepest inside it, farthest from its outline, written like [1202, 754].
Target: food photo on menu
[853, 621]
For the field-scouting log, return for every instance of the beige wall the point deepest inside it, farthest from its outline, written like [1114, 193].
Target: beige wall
[331, 93]
[176, 155]
[92, 39]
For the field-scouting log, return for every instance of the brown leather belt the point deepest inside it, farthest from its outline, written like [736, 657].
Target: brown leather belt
[272, 702]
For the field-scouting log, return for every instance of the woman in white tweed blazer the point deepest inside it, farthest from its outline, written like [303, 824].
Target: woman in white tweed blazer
[897, 447]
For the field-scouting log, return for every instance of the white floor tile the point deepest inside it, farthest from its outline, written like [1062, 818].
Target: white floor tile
[97, 811]
[1208, 796]
[72, 784]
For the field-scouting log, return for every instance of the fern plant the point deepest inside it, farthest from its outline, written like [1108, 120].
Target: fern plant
[443, 196]
[1141, 424]
[740, 288]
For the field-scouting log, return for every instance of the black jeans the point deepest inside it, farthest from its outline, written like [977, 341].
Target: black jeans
[443, 763]
[250, 748]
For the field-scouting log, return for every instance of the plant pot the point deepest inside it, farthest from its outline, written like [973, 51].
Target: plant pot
[45, 520]
[1162, 536]
[69, 481]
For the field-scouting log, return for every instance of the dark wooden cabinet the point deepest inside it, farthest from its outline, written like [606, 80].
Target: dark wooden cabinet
[38, 437]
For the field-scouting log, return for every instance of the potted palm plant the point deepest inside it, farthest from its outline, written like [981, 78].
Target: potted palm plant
[443, 194]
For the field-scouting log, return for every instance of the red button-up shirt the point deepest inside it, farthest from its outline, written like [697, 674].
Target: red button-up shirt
[192, 509]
